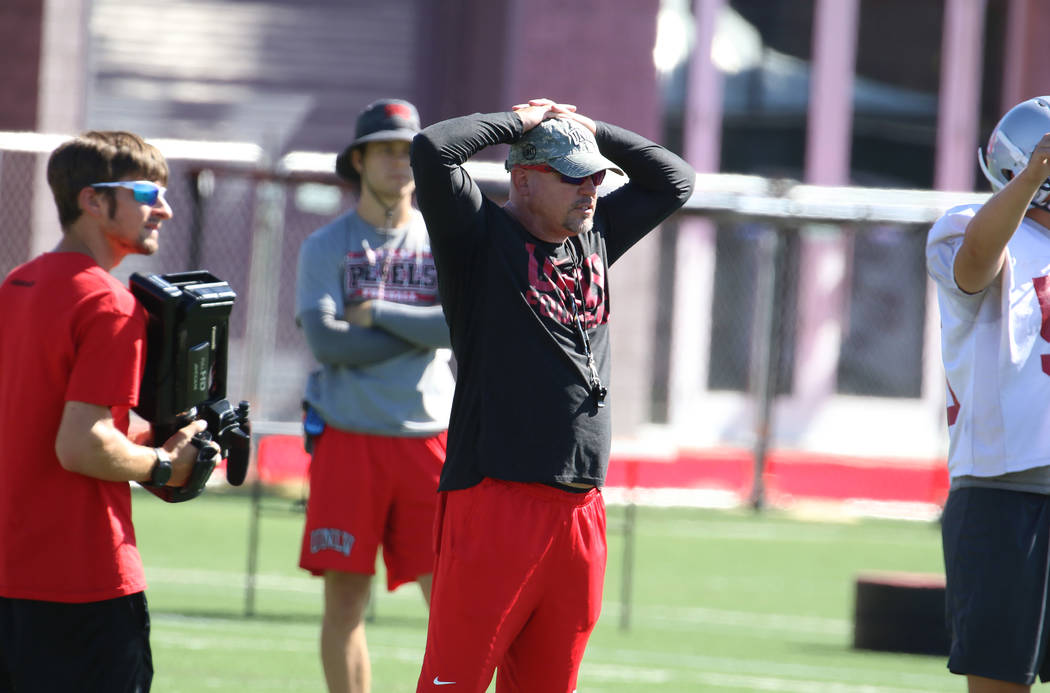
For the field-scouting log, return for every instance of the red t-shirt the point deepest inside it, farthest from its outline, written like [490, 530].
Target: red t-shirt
[69, 331]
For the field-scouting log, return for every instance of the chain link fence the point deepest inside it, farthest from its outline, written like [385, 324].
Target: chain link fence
[774, 314]
[17, 181]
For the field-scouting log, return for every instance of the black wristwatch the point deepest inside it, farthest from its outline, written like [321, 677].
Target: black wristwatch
[161, 468]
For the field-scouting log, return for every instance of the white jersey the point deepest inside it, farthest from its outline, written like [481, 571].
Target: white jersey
[996, 351]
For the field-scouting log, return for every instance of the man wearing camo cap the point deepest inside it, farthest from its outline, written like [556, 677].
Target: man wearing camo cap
[521, 522]
[566, 145]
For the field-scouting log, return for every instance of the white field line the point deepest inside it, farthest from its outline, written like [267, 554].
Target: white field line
[232, 580]
[722, 682]
[774, 624]
[673, 497]
[861, 673]
[174, 638]
[742, 531]
[601, 665]
[662, 617]
[724, 499]
[620, 675]
[222, 626]
[682, 618]
[747, 529]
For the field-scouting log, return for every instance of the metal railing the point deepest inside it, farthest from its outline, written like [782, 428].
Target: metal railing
[732, 302]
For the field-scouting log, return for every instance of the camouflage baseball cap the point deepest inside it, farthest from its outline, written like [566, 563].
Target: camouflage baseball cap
[565, 145]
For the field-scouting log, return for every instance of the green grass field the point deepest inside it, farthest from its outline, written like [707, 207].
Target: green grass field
[723, 600]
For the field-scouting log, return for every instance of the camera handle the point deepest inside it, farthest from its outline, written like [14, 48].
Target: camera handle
[203, 466]
[235, 439]
[228, 427]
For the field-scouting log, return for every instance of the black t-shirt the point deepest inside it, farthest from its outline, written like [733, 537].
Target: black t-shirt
[524, 408]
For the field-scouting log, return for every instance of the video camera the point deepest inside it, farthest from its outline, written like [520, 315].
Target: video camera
[185, 374]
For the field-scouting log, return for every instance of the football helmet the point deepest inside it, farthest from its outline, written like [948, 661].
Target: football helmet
[1012, 142]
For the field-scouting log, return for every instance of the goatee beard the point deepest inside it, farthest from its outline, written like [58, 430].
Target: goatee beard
[578, 227]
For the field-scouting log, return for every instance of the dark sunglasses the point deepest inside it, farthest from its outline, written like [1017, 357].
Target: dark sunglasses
[597, 178]
[144, 191]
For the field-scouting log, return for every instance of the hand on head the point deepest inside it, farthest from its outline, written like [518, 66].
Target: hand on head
[537, 110]
[1041, 154]
[553, 105]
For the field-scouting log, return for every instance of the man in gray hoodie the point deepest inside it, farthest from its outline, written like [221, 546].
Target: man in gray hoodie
[377, 407]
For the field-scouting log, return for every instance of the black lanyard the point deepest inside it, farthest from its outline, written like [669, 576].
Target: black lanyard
[598, 391]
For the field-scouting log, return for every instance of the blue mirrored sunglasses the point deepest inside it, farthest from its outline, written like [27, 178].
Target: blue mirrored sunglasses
[144, 191]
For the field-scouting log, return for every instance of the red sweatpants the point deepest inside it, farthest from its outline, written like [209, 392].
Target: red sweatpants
[517, 585]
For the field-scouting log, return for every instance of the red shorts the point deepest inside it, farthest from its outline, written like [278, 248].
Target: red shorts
[518, 586]
[367, 491]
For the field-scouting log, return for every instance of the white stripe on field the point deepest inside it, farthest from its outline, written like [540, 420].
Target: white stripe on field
[592, 673]
[861, 673]
[662, 616]
[600, 665]
[176, 640]
[235, 580]
[791, 623]
[232, 580]
[722, 499]
[720, 682]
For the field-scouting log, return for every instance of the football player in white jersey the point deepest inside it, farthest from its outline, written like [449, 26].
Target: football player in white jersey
[991, 265]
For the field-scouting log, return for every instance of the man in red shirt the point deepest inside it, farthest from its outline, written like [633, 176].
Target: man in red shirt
[73, 614]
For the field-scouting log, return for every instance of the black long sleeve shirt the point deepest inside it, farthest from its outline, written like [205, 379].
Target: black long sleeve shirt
[523, 409]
